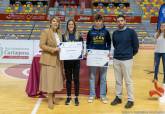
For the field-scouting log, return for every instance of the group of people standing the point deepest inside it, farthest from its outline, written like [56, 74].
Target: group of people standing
[54, 72]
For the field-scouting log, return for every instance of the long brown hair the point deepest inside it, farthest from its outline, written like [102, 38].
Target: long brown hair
[159, 31]
[75, 27]
[66, 35]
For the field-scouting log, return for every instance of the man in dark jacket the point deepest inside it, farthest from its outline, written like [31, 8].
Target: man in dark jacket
[126, 45]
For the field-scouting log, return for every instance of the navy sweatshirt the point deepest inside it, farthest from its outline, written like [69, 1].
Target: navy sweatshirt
[98, 39]
[126, 44]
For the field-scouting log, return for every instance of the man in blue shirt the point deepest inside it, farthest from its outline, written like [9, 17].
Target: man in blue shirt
[126, 45]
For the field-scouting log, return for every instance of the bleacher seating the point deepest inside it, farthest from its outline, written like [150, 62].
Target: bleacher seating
[150, 7]
[30, 29]
[3, 5]
[108, 9]
[24, 9]
[21, 29]
[71, 11]
[112, 7]
[139, 28]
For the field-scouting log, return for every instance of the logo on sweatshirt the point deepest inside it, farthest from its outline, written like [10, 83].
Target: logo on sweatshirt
[98, 40]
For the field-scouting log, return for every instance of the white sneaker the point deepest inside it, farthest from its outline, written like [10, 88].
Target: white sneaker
[162, 99]
[104, 100]
[91, 99]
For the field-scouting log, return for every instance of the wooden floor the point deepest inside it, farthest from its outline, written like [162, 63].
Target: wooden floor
[13, 99]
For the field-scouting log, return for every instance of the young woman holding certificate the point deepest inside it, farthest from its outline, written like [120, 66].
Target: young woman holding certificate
[51, 74]
[72, 67]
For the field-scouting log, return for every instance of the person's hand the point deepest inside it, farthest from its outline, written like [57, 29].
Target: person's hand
[85, 56]
[110, 56]
[57, 49]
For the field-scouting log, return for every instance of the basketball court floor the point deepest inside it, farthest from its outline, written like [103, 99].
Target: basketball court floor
[13, 99]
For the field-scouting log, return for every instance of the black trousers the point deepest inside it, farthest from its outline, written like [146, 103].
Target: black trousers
[72, 68]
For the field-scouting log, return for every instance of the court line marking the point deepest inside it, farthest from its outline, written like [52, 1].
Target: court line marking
[37, 105]
[25, 72]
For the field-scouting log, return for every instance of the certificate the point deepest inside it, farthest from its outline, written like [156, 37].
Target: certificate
[71, 50]
[98, 58]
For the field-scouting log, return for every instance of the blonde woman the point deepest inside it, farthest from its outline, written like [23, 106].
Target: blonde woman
[51, 75]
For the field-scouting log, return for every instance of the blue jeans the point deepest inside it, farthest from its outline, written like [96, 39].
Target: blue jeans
[103, 74]
[156, 65]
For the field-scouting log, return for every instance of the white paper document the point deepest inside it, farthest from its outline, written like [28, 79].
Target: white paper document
[98, 58]
[71, 50]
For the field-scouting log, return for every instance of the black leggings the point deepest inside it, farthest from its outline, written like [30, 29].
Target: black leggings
[72, 68]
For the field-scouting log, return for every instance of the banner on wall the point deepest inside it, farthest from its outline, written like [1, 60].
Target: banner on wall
[24, 17]
[85, 18]
[18, 51]
[161, 17]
